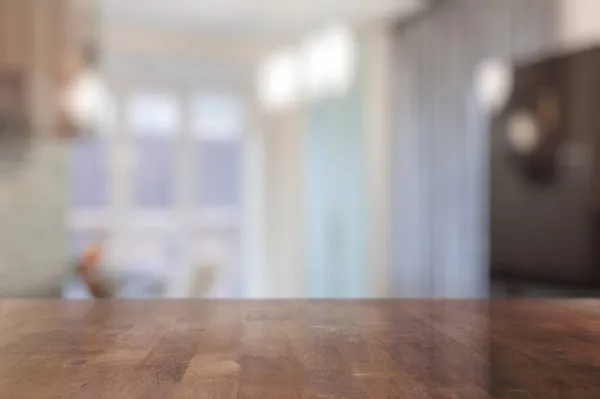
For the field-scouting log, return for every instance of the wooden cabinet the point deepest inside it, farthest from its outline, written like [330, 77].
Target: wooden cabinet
[14, 35]
[545, 202]
[34, 36]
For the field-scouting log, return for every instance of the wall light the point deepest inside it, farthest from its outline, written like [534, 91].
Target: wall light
[85, 102]
[278, 80]
[494, 82]
[325, 64]
[329, 61]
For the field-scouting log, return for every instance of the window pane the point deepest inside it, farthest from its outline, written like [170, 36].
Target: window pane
[216, 123]
[88, 169]
[82, 239]
[218, 174]
[216, 254]
[216, 117]
[153, 114]
[154, 175]
[153, 119]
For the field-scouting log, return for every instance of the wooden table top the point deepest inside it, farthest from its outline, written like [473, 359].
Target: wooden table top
[300, 349]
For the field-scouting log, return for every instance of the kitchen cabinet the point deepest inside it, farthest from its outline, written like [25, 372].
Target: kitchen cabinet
[34, 36]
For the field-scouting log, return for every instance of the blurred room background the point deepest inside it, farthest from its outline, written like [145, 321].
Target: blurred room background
[268, 149]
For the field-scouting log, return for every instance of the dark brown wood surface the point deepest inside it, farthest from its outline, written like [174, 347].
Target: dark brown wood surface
[300, 349]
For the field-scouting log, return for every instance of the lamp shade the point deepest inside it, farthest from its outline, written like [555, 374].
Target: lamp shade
[84, 102]
[494, 82]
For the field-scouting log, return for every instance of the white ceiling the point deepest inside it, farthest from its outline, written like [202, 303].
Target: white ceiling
[264, 20]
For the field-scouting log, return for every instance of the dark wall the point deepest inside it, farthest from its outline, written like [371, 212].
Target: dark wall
[544, 203]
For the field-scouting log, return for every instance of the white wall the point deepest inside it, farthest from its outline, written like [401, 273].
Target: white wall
[254, 207]
[285, 202]
[378, 133]
[279, 153]
[33, 234]
[578, 23]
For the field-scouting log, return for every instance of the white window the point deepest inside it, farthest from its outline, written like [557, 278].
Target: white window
[153, 113]
[216, 127]
[153, 120]
[137, 196]
[218, 117]
[90, 184]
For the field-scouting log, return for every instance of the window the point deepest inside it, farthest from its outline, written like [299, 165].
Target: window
[88, 163]
[153, 120]
[216, 125]
[216, 117]
[146, 189]
[90, 185]
[82, 238]
[216, 129]
[218, 173]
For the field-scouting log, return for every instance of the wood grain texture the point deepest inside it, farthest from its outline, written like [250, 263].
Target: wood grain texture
[34, 36]
[14, 38]
[300, 349]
